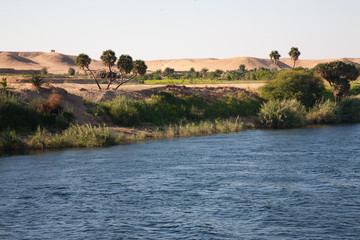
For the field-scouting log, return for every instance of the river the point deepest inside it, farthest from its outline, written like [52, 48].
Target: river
[256, 184]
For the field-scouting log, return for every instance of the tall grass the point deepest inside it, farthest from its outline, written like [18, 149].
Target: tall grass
[282, 114]
[349, 109]
[323, 113]
[82, 136]
[10, 142]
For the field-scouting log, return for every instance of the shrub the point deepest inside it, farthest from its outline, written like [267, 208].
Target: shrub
[4, 82]
[349, 110]
[71, 71]
[282, 114]
[15, 115]
[324, 112]
[52, 105]
[9, 142]
[44, 71]
[295, 84]
[36, 80]
[123, 111]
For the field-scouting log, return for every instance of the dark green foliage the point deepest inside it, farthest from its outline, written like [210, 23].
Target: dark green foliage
[83, 61]
[168, 72]
[71, 71]
[36, 80]
[139, 67]
[164, 108]
[10, 142]
[339, 75]
[294, 54]
[291, 84]
[349, 110]
[275, 56]
[282, 114]
[19, 116]
[108, 58]
[125, 64]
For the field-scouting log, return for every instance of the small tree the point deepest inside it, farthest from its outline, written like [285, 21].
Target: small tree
[291, 84]
[204, 72]
[275, 57]
[168, 72]
[294, 54]
[71, 71]
[44, 71]
[83, 61]
[36, 80]
[108, 58]
[138, 67]
[338, 74]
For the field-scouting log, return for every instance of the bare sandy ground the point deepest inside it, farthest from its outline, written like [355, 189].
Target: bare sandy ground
[59, 63]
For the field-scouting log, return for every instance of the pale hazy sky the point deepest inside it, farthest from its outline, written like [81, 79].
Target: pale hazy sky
[165, 29]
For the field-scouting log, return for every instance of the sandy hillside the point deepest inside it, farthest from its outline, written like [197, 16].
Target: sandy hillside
[59, 63]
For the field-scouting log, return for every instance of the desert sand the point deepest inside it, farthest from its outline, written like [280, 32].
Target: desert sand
[59, 63]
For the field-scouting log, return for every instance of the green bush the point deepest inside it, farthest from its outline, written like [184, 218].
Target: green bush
[123, 111]
[323, 113]
[10, 142]
[71, 71]
[36, 80]
[294, 84]
[165, 108]
[349, 110]
[282, 114]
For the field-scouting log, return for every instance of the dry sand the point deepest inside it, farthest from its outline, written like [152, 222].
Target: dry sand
[58, 63]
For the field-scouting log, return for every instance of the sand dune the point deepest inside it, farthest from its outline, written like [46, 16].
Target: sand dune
[60, 63]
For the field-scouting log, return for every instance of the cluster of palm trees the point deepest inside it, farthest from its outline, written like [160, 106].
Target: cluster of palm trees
[125, 64]
[294, 55]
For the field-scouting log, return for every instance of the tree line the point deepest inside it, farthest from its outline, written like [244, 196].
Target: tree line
[125, 65]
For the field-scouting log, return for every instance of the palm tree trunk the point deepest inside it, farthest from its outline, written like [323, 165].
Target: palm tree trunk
[94, 78]
[125, 81]
[294, 64]
[110, 79]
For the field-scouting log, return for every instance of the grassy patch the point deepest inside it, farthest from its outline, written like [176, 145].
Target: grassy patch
[282, 114]
[165, 108]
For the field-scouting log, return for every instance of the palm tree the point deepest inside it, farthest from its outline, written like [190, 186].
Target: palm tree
[204, 72]
[126, 66]
[83, 61]
[294, 54]
[275, 56]
[108, 58]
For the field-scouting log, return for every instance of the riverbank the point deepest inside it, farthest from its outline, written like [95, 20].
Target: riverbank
[33, 117]
[75, 116]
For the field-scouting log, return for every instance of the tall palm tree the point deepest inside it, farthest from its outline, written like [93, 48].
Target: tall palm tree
[275, 57]
[294, 54]
[83, 61]
[108, 58]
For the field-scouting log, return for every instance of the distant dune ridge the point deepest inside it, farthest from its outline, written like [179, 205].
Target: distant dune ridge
[60, 63]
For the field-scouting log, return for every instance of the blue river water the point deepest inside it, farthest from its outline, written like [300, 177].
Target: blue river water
[256, 184]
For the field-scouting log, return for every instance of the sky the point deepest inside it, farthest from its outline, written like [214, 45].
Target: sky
[174, 29]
